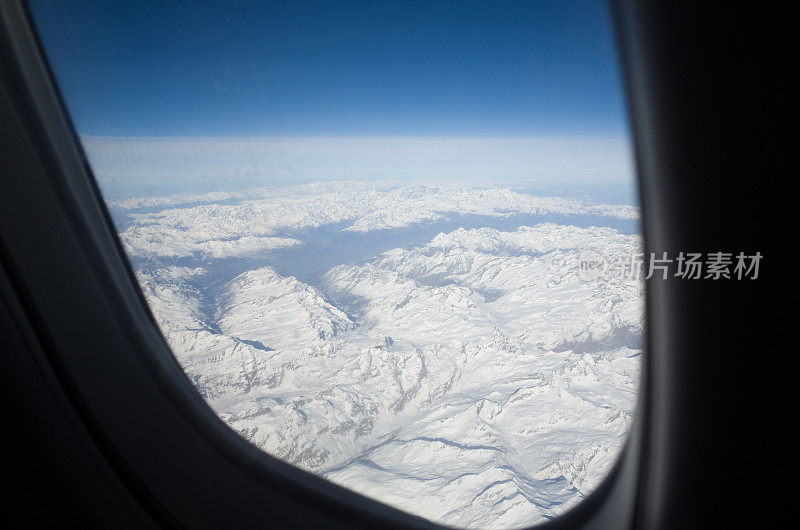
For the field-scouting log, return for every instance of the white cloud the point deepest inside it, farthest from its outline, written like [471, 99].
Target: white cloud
[135, 165]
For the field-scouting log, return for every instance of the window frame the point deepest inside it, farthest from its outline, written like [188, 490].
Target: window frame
[160, 445]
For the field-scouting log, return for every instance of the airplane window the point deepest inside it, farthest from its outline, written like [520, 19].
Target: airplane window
[396, 244]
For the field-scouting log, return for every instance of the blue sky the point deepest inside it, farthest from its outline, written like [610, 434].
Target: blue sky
[541, 70]
[294, 68]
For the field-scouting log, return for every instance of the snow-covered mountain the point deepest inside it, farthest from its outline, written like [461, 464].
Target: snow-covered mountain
[249, 226]
[470, 377]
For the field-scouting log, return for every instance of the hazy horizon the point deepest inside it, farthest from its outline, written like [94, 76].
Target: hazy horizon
[135, 166]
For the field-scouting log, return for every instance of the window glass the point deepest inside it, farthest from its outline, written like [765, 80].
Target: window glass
[391, 243]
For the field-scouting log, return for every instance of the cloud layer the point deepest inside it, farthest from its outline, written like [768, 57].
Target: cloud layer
[126, 166]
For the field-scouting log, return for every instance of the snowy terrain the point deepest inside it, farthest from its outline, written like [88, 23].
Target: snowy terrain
[430, 346]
